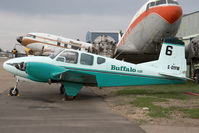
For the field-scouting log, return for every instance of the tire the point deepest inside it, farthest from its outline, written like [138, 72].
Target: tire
[14, 92]
[69, 98]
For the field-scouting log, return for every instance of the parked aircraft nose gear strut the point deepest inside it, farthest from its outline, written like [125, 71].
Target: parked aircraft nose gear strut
[14, 91]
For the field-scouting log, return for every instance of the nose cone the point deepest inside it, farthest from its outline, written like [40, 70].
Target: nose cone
[6, 66]
[9, 65]
[175, 14]
[19, 39]
[171, 13]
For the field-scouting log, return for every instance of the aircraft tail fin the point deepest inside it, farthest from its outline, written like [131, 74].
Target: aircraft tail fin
[172, 60]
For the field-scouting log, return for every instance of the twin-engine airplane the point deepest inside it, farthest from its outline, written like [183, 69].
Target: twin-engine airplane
[73, 69]
[46, 44]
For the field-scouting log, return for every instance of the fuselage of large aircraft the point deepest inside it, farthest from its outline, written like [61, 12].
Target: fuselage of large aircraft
[156, 20]
[45, 44]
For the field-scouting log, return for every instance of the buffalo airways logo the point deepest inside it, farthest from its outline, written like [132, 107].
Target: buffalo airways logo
[125, 69]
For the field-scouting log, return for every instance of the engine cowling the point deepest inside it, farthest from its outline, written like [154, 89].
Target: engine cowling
[43, 72]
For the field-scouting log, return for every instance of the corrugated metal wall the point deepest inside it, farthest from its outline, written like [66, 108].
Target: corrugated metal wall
[189, 25]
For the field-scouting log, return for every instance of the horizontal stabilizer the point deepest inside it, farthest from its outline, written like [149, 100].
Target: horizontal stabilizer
[176, 76]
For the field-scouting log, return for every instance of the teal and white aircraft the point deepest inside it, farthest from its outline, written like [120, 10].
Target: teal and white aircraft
[75, 69]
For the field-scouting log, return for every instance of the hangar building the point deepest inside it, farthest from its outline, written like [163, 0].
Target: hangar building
[189, 27]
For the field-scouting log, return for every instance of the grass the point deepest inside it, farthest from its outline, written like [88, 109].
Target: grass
[145, 96]
[192, 113]
[162, 91]
[155, 111]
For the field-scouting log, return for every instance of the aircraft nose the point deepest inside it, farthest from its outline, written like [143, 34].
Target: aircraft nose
[175, 14]
[171, 13]
[19, 39]
[5, 65]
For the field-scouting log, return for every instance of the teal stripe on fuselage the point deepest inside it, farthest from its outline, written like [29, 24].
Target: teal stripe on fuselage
[109, 78]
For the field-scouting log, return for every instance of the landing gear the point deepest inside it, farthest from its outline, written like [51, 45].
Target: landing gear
[70, 90]
[69, 98]
[62, 89]
[14, 91]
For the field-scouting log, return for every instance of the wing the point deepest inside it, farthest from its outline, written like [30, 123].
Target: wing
[75, 76]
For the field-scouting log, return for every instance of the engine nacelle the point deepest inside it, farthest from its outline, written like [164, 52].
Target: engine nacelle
[42, 72]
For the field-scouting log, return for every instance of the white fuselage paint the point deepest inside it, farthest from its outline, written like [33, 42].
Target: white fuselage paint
[148, 34]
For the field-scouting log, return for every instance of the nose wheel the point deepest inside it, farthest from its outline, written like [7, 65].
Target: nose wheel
[14, 91]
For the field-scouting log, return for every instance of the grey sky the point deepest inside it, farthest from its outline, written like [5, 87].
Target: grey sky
[69, 18]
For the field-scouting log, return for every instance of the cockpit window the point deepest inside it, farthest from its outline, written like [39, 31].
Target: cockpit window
[32, 36]
[52, 56]
[160, 2]
[173, 2]
[152, 4]
[68, 57]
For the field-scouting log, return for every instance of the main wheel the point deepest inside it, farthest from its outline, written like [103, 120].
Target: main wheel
[14, 92]
[69, 98]
[62, 89]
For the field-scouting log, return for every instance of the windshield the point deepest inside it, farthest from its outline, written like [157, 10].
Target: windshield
[53, 55]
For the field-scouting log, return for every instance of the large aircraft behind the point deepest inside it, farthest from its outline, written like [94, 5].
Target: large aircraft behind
[156, 20]
[45, 44]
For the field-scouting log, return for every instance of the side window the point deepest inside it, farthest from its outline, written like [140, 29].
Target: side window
[58, 43]
[100, 60]
[68, 57]
[86, 59]
[65, 45]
